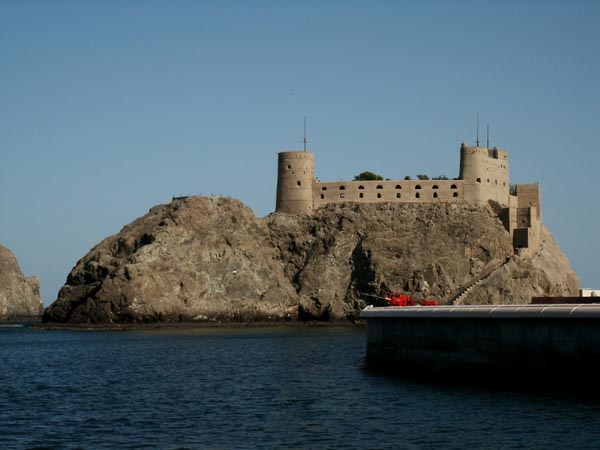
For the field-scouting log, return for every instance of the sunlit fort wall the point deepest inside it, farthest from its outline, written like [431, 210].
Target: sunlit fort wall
[484, 176]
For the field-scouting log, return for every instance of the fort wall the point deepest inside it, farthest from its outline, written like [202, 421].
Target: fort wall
[527, 233]
[484, 176]
[530, 195]
[406, 191]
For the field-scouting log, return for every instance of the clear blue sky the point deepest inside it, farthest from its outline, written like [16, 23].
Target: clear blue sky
[110, 107]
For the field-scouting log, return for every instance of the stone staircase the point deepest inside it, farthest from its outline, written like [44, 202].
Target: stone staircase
[466, 290]
[459, 298]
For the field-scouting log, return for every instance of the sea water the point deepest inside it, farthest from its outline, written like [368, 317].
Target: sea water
[263, 388]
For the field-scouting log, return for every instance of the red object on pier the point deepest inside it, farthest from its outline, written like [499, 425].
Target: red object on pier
[429, 303]
[395, 299]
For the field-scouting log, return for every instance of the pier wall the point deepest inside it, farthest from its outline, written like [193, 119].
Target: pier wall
[541, 340]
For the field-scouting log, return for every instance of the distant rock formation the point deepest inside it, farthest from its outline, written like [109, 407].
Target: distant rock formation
[19, 296]
[211, 259]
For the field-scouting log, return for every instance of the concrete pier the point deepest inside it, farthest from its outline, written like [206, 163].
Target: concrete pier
[544, 341]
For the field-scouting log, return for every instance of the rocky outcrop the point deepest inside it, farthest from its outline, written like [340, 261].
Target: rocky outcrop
[194, 259]
[210, 259]
[545, 273]
[19, 296]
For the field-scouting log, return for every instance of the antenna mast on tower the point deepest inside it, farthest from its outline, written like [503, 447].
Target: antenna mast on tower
[477, 140]
[304, 140]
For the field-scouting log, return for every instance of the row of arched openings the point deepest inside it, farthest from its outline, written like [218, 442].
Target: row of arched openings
[398, 195]
[379, 186]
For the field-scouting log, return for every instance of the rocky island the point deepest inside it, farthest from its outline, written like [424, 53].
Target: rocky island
[210, 259]
[19, 296]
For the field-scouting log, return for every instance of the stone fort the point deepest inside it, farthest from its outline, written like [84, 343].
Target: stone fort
[484, 178]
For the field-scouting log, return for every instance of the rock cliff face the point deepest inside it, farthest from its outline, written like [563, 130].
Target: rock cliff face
[210, 259]
[19, 296]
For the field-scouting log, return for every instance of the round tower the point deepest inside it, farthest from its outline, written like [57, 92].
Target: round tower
[473, 165]
[295, 176]
[485, 174]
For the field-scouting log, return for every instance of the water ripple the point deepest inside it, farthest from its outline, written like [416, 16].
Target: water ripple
[249, 388]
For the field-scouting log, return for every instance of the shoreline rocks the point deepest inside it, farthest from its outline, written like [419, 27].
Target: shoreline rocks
[19, 296]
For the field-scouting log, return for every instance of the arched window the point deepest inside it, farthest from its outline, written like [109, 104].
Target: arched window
[378, 195]
[342, 195]
[298, 183]
[417, 195]
[418, 186]
[398, 195]
[361, 187]
[479, 180]
[379, 186]
[453, 186]
[398, 186]
[322, 196]
[435, 195]
[435, 186]
[324, 188]
[361, 195]
[289, 167]
[342, 188]
[455, 194]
